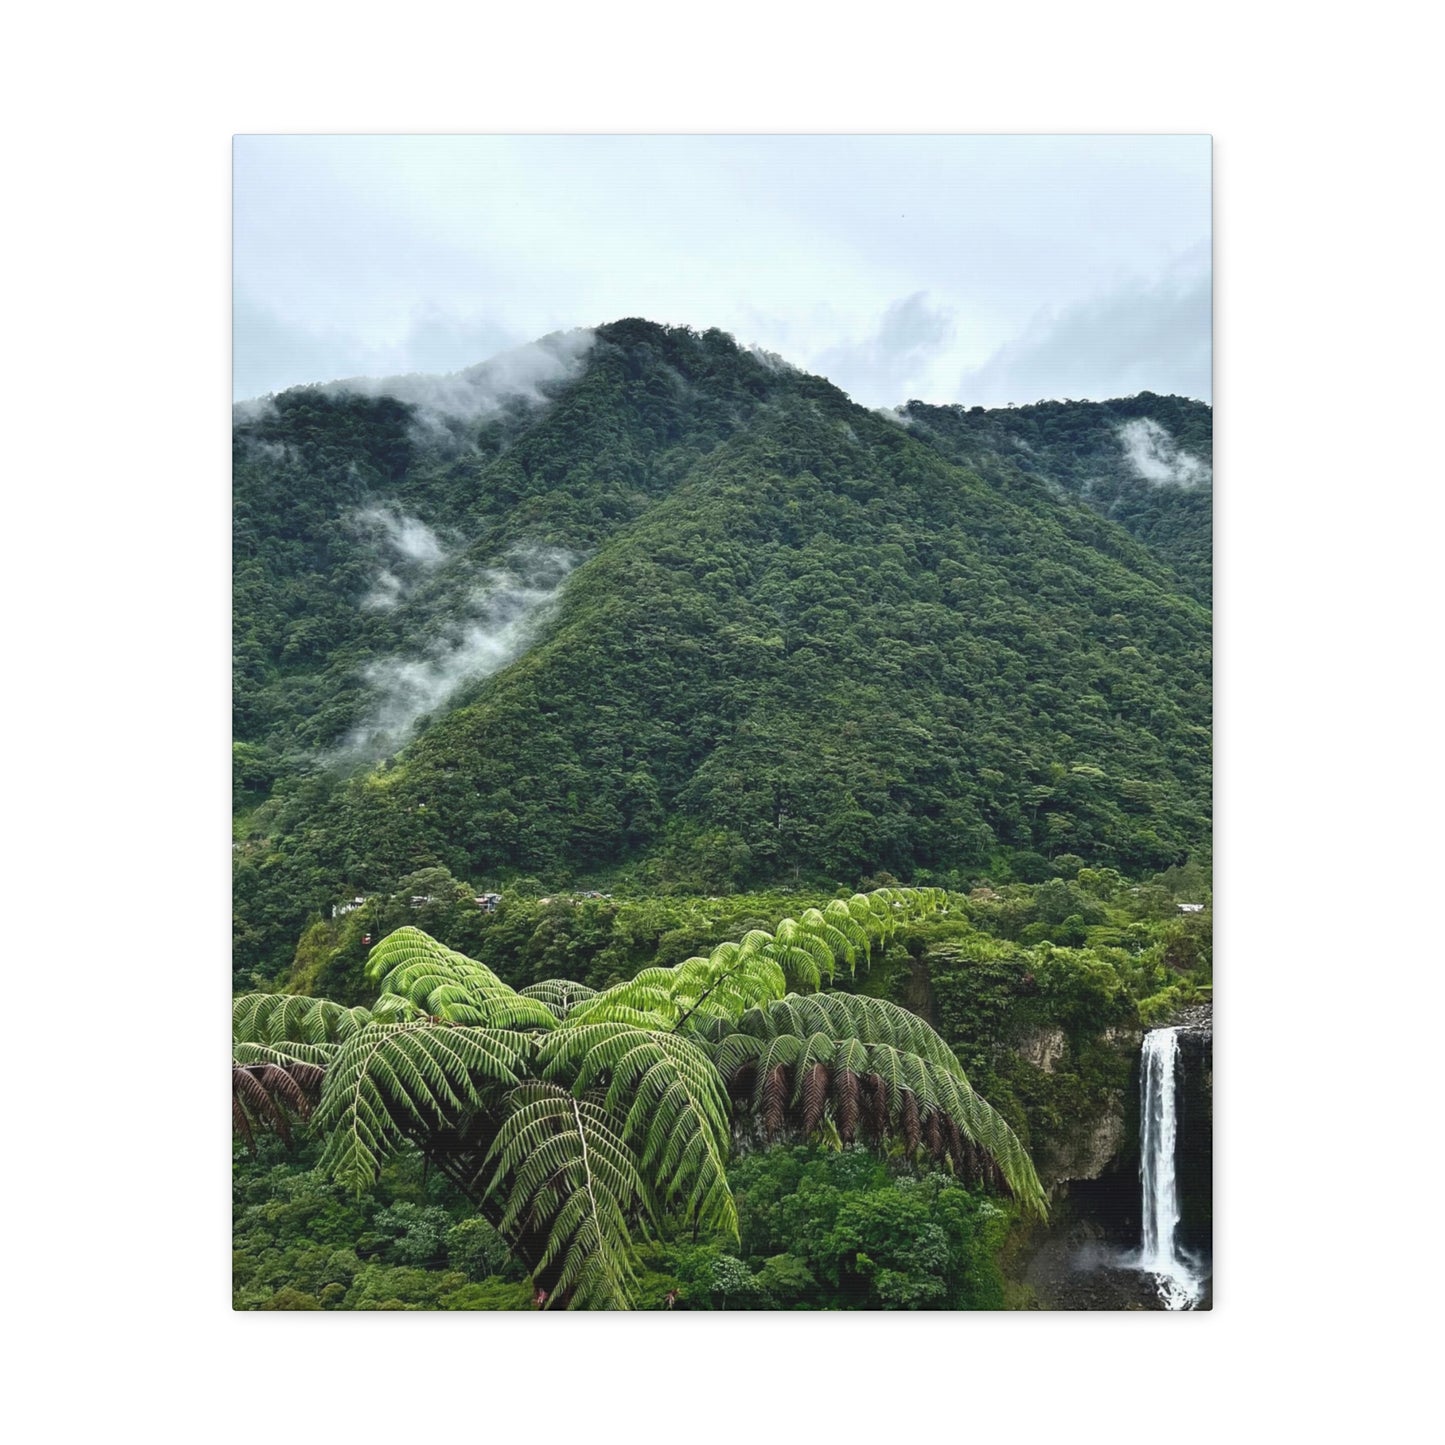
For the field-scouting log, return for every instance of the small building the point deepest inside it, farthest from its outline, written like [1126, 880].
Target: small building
[1191, 908]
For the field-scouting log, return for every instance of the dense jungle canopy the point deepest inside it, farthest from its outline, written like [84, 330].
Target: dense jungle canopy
[680, 618]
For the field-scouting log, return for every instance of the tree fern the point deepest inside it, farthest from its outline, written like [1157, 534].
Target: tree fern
[570, 1179]
[389, 1077]
[672, 1104]
[559, 995]
[577, 1118]
[799, 1054]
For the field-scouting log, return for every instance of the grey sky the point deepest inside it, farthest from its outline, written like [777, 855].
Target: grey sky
[980, 269]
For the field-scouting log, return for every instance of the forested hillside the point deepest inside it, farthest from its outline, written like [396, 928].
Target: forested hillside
[673, 617]
[1143, 461]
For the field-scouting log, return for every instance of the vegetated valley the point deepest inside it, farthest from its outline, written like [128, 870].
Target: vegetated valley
[700, 843]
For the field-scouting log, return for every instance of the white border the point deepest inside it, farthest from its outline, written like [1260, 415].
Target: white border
[118, 596]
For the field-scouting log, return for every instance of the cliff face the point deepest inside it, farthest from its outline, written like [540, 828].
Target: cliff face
[1091, 1167]
[1195, 1158]
[1102, 1143]
[1088, 1138]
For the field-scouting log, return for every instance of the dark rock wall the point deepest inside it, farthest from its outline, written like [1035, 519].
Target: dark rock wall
[1194, 1160]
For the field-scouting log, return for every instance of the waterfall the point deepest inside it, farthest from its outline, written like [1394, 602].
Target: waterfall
[1178, 1278]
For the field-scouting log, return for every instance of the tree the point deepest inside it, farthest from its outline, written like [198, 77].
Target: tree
[582, 1123]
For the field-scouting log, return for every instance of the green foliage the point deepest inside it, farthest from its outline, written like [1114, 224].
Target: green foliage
[989, 997]
[1049, 1033]
[390, 1077]
[422, 1232]
[804, 646]
[588, 1123]
[827, 1230]
[1075, 447]
[474, 1247]
[302, 1242]
[807, 644]
[561, 1159]
[492, 1294]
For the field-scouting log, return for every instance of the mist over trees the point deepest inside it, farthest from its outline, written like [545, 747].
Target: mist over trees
[803, 642]
[700, 843]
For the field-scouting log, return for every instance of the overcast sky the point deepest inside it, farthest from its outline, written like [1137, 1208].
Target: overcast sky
[979, 269]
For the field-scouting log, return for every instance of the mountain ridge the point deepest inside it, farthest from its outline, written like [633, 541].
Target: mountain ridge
[801, 638]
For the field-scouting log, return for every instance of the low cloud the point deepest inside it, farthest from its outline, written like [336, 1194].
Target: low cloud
[528, 375]
[771, 360]
[408, 537]
[258, 408]
[413, 550]
[1155, 456]
[258, 449]
[501, 617]
[386, 592]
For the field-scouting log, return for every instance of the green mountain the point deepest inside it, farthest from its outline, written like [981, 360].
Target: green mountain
[644, 609]
[1143, 461]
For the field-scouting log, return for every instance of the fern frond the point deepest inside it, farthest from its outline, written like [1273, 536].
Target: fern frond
[792, 934]
[443, 984]
[730, 980]
[264, 1094]
[985, 1126]
[672, 1102]
[800, 964]
[288, 1018]
[723, 984]
[838, 942]
[560, 995]
[571, 1180]
[283, 1055]
[840, 916]
[389, 1077]
[875, 1064]
[734, 977]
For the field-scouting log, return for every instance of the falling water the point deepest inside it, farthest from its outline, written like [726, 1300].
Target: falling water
[1178, 1278]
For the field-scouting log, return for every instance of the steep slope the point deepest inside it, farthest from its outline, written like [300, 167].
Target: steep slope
[555, 457]
[800, 641]
[1143, 461]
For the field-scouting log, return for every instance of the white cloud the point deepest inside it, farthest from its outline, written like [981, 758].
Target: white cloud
[414, 550]
[522, 374]
[409, 537]
[1156, 457]
[893, 362]
[505, 607]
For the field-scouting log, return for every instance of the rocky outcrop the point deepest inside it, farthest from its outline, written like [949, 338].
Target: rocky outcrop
[1043, 1048]
[1089, 1153]
[1092, 1137]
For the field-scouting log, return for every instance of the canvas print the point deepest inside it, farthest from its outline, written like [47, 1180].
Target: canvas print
[722, 723]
